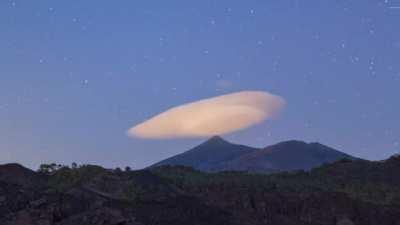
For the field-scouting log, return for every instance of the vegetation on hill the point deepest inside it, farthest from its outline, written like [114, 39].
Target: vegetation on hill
[377, 182]
[344, 192]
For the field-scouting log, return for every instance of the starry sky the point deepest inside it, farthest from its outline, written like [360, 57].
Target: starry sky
[75, 75]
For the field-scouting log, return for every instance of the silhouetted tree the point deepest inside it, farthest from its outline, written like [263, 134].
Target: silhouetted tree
[49, 168]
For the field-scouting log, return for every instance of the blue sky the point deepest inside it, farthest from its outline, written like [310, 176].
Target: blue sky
[74, 76]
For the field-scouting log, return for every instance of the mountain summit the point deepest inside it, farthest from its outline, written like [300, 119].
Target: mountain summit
[217, 154]
[216, 140]
[209, 156]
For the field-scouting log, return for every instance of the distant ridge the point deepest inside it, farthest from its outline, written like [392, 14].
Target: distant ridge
[287, 156]
[217, 154]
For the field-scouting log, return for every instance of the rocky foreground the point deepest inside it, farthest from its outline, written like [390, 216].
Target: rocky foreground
[343, 193]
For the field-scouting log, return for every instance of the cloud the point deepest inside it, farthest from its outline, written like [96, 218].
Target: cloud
[214, 116]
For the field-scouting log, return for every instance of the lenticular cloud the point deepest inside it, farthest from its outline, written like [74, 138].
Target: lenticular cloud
[214, 116]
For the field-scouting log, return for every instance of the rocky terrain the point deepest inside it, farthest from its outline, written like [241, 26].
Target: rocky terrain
[342, 193]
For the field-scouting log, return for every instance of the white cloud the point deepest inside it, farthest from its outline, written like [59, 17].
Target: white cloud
[214, 116]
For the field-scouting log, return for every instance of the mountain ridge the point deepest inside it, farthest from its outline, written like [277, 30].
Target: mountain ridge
[216, 154]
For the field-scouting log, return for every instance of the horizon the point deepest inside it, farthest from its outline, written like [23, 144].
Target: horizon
[133, 83]
[202, 143]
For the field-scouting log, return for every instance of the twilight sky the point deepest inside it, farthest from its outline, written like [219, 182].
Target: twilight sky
[76, 75]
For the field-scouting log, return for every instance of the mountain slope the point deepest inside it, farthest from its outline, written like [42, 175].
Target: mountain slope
[219, 155]
[286, 156]
[209, 155]
[16, 174]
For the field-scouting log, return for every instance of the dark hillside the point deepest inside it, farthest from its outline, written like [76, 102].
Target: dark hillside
[342, 193]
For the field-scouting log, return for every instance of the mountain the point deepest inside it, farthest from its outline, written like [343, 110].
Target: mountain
[286, 156]
[347, 192]
[217, 154]
[208, 156]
